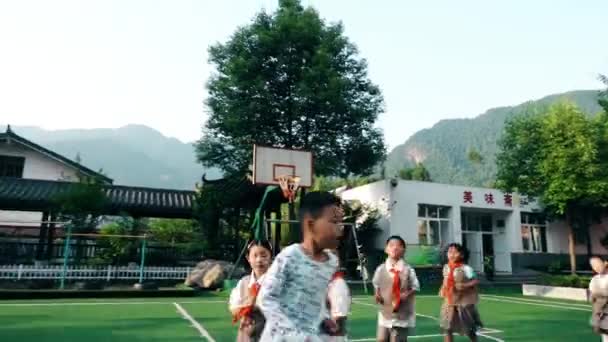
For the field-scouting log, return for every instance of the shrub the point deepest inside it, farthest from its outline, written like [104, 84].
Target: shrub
[566, 281]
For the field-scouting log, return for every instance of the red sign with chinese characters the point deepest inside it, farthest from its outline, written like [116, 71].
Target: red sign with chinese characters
[489, 198]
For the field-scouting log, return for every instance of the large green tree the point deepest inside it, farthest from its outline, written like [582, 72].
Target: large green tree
[556, 156]
[603, 97]
[289, 79]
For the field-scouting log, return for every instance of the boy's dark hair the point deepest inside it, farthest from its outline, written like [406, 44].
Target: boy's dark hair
[313, 204]
[464, 252]
[262, 243]
[396, 237]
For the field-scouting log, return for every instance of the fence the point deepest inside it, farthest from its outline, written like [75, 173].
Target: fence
[107, 273]
[22, 251]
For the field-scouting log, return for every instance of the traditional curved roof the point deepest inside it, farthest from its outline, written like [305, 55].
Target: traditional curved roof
[38, 195]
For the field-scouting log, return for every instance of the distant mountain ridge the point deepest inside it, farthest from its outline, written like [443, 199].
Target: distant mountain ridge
[444, 148]
[134, 155]
[141, 156]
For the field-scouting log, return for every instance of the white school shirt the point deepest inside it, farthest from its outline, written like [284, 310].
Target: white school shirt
[339, 298]
[294, 294]
[389, 323]
[235, 295]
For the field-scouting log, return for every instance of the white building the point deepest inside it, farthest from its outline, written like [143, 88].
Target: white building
[488, 222]
[23, 159]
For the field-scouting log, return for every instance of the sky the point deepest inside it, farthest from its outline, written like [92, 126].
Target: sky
[90, 64]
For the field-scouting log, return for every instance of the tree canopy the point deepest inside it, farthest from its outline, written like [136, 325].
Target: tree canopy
[417, 173]
[557, 156]
[289, 79]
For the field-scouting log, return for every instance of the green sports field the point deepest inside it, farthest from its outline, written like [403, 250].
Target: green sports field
[507, 316]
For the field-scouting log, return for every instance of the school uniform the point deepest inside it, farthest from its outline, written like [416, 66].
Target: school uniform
[599, 314]
[396, 317]
[245, 289]
[459, 312]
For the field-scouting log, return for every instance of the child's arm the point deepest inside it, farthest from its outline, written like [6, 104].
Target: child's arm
[271, 301]
[376, 283]
[469, 284]
[413, 286]
[469, 274]
[236, 302]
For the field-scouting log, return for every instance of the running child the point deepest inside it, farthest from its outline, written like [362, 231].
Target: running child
[395, 283]
[294, 293]
[459, 310]
[598, 287]
[244, 300]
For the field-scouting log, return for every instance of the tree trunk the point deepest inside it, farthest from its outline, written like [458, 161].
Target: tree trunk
[571, 242]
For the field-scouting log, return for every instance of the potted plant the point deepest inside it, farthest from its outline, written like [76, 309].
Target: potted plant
[488, 267]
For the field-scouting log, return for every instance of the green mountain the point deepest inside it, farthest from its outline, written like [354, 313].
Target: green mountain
[132, 155]
[444, 148]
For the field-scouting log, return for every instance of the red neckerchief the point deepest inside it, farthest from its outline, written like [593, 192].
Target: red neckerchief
[337, 275]
[245, 311]
[448, 290]
[396, 290]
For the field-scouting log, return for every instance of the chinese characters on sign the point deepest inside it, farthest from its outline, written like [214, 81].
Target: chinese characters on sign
[508, 200]
[490, 199]
[468, 197]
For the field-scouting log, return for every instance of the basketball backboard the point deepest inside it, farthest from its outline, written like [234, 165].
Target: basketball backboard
[269, 163]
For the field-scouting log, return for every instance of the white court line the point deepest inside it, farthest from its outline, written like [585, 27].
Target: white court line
[409, 337]
[431, 335]
[537, 304]
[107, 303]
[417, 296]
[490, 337]
[483, 333]
[195, 324]
[543, 301]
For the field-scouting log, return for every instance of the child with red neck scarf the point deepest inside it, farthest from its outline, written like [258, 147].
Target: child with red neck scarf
[459, 312]
[243, 302]
[395, 284]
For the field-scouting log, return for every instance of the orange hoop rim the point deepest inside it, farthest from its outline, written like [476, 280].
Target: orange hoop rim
[289, 185]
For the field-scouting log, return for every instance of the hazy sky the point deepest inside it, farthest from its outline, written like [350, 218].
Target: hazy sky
[85, 64]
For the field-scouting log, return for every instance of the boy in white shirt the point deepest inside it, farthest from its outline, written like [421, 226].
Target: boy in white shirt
[294, 292]
[395, 284]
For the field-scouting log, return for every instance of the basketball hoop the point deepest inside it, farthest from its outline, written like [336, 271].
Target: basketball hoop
[289, 185]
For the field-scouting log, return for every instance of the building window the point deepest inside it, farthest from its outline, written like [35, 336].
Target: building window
[534, 232]
[476, 222]
[433, 224]
[11, 166]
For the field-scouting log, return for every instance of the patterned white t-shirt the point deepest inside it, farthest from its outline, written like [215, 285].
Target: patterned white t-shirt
[294, 294]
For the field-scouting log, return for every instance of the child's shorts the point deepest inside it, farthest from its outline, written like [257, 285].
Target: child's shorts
[395, 334]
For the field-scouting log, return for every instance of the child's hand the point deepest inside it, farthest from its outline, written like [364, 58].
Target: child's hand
[330, 326]
[246, 324]
[406, 294]
[378, 298]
